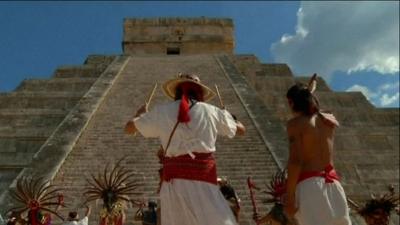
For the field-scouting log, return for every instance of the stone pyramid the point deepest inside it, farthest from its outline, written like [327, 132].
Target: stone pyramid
[71, 125]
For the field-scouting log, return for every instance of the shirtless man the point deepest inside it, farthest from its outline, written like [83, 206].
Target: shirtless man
[314, 194]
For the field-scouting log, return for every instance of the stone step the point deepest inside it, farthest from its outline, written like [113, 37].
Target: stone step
[282, 83]
[41, 100]
[29, 121]
[388, 115]
[31, 112]
[7, 175]
[332, 100]
[273, 91]
[86, 71]
[375, 140]
[30, 117]
[347, 116]
[245, 62]
[247, 65]
[20, 144]
[272, 85]
[73, 84]
[369, 130]
[276, 69]
[359, 117]
[38, 131]
[99, 60]
[15, 159]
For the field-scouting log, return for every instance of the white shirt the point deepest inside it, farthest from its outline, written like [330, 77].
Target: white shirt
[83, 221]
[199, 135]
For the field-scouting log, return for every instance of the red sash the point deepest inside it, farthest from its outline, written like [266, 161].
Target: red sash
[201, 168]
[329, 174]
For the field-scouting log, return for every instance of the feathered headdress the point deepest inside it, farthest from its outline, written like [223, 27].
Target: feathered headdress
[277, 187]
[376, 211]
[36, 195]
[112, 186]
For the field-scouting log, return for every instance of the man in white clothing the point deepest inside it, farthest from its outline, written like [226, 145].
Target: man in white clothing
[188, 129]
[73, 218]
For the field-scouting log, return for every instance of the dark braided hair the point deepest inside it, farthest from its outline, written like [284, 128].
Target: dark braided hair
[303, 100]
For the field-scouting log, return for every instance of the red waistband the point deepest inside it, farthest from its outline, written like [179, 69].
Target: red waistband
[329, 174]
[201, 168]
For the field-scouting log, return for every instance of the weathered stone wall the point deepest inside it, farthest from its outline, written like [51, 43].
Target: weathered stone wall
[189, 35]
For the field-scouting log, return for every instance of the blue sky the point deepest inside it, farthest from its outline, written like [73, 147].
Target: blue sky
[353, 45]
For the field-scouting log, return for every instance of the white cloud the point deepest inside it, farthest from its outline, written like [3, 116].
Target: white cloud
[384, 96]
[389, 86]
[386, 100]
[342, 36]
[363, 89]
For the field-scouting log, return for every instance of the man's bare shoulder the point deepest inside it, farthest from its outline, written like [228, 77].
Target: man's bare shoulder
[297, 122]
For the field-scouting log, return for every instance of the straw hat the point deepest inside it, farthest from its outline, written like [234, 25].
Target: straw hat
[169, 87]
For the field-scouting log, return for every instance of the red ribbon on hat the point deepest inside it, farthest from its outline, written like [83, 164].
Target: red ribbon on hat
[183, 114]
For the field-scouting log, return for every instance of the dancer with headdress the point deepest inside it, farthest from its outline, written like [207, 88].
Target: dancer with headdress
[36, 197]
[276, 191]
[378, 209]
[314, 193]
[188, 129]
[113, 187]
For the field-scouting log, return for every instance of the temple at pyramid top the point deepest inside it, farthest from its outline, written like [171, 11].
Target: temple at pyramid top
[177, 36]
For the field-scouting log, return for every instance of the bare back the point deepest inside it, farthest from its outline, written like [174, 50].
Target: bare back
[315, 142]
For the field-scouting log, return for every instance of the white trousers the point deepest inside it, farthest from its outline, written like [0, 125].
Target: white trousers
[187, 202]
[321, 203]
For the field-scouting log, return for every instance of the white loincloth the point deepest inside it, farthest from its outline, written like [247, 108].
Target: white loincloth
[321, 203]
[187, 202]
